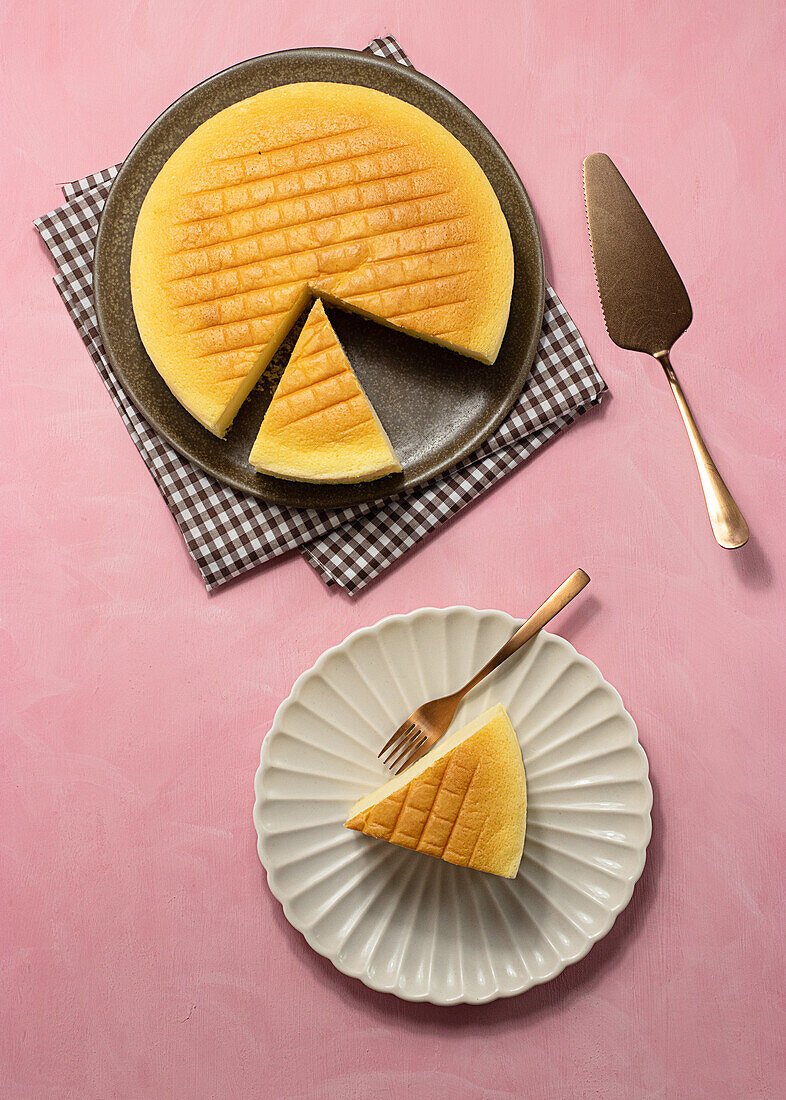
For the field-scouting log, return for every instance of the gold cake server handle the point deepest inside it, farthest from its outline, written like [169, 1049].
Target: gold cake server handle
[728, 523]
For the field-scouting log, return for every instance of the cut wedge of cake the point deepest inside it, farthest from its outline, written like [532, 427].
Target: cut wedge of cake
[464, 802]
[312, 189]
[320, 426]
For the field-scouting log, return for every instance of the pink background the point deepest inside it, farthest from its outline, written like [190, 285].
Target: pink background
[141, 954]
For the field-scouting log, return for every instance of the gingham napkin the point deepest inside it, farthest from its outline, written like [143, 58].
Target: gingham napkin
[228, 532]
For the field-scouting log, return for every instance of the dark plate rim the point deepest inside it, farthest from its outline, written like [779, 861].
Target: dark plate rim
[295, 494]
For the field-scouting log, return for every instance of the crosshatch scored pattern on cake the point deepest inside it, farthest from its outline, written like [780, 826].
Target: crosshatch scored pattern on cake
[310, 188]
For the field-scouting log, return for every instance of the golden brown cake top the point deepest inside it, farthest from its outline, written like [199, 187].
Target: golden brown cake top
[465, 802]
[328, 188]
[320, 425]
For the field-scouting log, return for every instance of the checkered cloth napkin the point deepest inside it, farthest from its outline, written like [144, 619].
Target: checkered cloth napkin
[228, 532]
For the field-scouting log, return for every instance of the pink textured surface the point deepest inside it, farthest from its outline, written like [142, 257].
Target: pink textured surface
[141, 954]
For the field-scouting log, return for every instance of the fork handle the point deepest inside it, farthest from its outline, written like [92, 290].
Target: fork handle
[545, 613]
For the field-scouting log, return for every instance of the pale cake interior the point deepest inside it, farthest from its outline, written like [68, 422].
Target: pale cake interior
[448, 743]
[259, 367]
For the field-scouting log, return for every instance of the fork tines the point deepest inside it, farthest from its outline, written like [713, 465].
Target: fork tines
[404, 747]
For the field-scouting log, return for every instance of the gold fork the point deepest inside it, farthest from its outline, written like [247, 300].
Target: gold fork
[428, 723]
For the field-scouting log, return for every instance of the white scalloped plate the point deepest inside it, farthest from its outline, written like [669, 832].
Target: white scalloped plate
[409, 924]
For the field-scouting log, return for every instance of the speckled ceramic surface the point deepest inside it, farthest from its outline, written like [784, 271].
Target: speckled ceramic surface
[437, 406]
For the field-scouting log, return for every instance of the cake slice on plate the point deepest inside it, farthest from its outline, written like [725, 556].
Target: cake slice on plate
[320, 426]
[464, 802]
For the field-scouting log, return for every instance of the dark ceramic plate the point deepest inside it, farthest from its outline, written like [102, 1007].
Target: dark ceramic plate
[436, 406]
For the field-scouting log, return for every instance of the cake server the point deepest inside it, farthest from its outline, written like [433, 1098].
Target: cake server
[646, 308]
